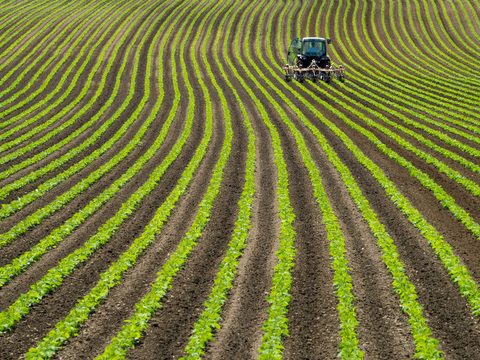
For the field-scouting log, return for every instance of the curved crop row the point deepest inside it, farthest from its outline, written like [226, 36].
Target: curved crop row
[146, 308]
[62, 200]
[66, 92]
[104, 5]
[458, 272]
[57, 235]
[210, 317]
[55, 276]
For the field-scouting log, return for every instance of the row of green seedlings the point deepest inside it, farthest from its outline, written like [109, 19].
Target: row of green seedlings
[38, 20]
[468, 83]
[37, 58]
[20, 18]
[65, 93]
[461, 21]
[451, 46]
[400, 80]
[386, 91]
[21, 263]
[210, 318]
[426, 346]
[384, 240]
[6, 190]
[451, 141]
[22, 115]
[69, 326]
[60, 201]
[86, 143]
[466, 94]
[8, 9]
[342, 280]
[453, 101]
[449, 56]
[437, 133]
[66, 12]
[72, 152]
[467, 286]
[459, 273]
[55, 276]
[445, 51]
[468, 184]
[151, 302]
[276, 324]
[446, 200]
[424, 63]
[439, 67]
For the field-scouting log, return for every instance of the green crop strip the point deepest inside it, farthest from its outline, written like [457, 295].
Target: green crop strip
[459, 273]
[276, 324]
[342, 280]
[210, 317]
[460, 54]
[397, 83]
[424, 118]
[421, 69]
[21, 263]
[445, 79]
[43, 11]
[62, 200]
[73, 152]
[112, 276]
[469, 20]
[447, 201]
[8, 8]
[55, 276]
[436, 133]
[14, 18]
[146, 308]
[38, 58]
[65, 94]
[426, 346]
[67, 11]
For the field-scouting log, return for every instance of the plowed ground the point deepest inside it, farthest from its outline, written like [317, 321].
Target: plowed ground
[383, 330]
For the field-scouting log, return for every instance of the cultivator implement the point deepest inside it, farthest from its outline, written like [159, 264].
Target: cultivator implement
[314, 73]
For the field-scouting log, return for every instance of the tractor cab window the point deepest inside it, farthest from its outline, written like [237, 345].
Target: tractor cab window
[313, 48]
[293, 50]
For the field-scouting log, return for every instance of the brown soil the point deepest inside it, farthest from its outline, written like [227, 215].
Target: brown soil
[314, 324]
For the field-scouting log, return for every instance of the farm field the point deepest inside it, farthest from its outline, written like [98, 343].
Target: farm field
[166, 194]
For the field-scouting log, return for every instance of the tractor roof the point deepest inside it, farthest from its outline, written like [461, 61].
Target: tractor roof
[313, 39]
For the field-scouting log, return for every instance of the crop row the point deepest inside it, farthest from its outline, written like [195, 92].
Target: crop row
[62, 200]
[458, 272]
[65, 111]
[152, 301]
[425, 345]
[291, 105]
[210, 318]
[110, 278]
[51, 43]
[55, 276]
[57, 235]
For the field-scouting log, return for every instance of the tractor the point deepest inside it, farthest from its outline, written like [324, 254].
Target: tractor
[308, 59]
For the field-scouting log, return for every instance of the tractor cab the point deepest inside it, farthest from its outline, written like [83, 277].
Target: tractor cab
[302, 52]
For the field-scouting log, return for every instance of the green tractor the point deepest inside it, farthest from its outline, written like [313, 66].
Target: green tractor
[308, 59]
